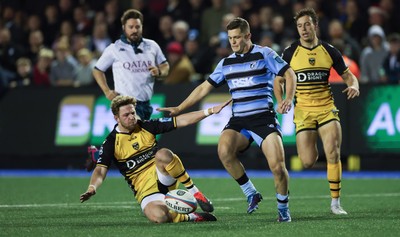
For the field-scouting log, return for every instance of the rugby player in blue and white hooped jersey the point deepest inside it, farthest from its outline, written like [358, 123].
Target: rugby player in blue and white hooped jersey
[136, 63]
[250, 73]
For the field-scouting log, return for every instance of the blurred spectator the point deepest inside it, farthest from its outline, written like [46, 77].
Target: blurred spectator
[255, 26]
[42, 68]
[51, 24]
[62, 71]
[178, 9]
[323, 20]
[373, 55]
[391, 7]
[281, 7]
[280, 33]
[84, 76]
[79, 41]
[34, 45]
[180, 30]
[220, 41]
[354, 23]
[34, 23]
[83, 24]
[112, 19]
[247, 7]
[377, 16]
[99, 39]
[66, 31]
[267, 40]
[390, 72]
[24, 73]
[181, 67]
[199, 56]
[165, 35]
[9, 51]
[236, 10]
[266, 14]
[351, 47]
[14, 23]
[334, 77]
[196, 10]
[211, 20]
[65, 9]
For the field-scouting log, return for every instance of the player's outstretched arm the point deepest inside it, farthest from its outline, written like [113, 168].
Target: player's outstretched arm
[98, 176]
[197, 94]
[194, 117]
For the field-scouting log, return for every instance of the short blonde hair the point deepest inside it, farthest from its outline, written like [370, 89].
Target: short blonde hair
[84, 52]
[23, 62]
[46, 53]
[121, 100]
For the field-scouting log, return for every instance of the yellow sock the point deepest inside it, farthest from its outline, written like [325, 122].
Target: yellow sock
[176, 217]
[334, 178]
[175, 169]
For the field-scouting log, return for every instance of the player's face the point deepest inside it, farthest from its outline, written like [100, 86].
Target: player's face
[238, 41]
[127, 117]
[306, 29]
[133, 29]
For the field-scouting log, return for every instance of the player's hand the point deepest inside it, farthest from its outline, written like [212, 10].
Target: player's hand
[284, 106]
[219, 107]
[111, 94]
[173, 111]
[352, 92]
[88, 194]
[154, 71]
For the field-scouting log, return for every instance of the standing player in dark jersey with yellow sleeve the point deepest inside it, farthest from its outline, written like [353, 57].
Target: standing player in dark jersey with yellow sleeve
[315, 113]
[149, 171]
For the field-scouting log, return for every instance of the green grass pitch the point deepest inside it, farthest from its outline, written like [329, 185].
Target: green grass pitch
[49, 206]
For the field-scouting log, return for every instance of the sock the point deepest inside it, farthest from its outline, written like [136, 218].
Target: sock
[177, 217]
[334, 178]
[175, 169]
[283, 201]
[335, 202]
[246, 185]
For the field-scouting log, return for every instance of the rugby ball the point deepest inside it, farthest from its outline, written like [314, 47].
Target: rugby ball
[180, 201]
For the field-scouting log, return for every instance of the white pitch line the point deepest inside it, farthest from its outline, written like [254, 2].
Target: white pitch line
[134, 205]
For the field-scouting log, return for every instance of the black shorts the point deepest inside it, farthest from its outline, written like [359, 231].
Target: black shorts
[256, 127]
[144, 109]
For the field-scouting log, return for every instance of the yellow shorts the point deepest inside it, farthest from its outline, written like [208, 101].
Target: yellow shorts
[312, 120]
[146, 183]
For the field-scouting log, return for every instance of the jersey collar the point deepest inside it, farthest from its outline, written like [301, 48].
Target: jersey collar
[248, 52]
[135, 45]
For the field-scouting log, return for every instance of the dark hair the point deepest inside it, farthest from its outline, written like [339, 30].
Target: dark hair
[121, 100]
[131, 14]
[307, 12]
[240, 23]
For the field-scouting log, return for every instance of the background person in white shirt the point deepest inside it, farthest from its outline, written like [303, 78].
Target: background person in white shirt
[136, 63]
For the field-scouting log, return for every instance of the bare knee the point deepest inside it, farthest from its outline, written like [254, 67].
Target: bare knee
[308, 162]
[225, 154]
[164, 155]
[279, 169]
[333, 155]
[158, 216]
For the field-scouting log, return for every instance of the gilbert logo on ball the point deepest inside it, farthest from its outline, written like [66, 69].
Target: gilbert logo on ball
[180, 201]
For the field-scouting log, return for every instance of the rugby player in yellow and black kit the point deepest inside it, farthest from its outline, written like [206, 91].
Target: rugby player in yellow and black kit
[150, 172]
[315, 113]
